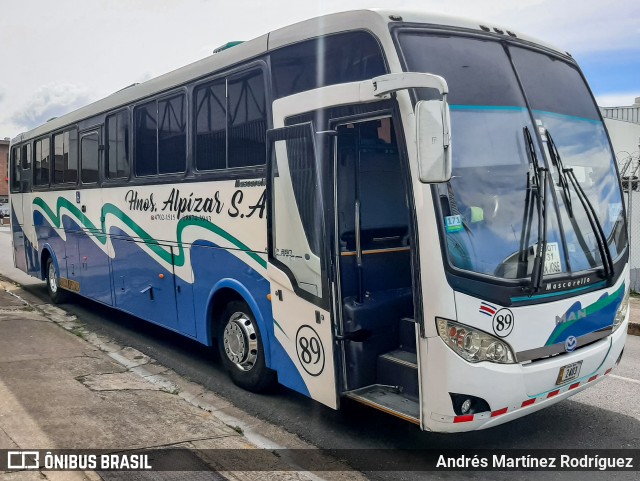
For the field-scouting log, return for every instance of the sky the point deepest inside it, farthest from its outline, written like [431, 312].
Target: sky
[59, 55]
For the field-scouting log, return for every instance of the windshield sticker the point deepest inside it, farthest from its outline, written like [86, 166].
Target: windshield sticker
[453, 223]
[552, 263]
[477, 214]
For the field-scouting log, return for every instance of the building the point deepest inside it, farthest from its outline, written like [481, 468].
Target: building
[4, 170]
[623, 124]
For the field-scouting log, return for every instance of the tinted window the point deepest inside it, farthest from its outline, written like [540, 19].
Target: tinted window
[295, 182]
[90, 158]
[146, 139]
[42, 162]
[335, 59]
[15, 168]
[26, 157]
[117, 127]
[247, 120]
[60, 155]
[72, 166]
[231, 122]
[160, 137]
[478, 72]
[172, 136]
[65, 151]
[552, 85]
[26, 166]
[211, 126]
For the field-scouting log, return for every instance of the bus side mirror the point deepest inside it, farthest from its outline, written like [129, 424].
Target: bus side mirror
[433, 136]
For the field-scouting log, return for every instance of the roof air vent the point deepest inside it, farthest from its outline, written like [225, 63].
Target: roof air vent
[511, 34]
[486, 29]
[497, 30]
[227, 46]
[395, 18]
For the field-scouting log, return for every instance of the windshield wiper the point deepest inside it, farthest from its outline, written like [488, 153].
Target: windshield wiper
[562, 180]
[538, 182]
[592, 217]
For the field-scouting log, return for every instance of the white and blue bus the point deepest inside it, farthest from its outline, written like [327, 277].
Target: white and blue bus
[419, 213]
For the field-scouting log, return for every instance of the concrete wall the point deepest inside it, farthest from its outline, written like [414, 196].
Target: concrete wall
[625, 136]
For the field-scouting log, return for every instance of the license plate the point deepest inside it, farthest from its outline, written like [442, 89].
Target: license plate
[569, 372]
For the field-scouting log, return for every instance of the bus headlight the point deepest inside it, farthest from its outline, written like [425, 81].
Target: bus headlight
[621, 313]
[474, 345]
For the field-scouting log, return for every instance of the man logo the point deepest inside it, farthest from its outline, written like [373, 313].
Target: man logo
[23, 460]
[570, 344]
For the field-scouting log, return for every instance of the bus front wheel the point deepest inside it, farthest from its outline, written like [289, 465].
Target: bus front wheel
[56, 293]
[241, 348]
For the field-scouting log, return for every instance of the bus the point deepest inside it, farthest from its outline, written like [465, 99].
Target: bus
[418, 213]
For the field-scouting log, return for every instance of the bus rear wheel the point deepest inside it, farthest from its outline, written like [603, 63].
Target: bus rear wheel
[56, 293]
[241, 348]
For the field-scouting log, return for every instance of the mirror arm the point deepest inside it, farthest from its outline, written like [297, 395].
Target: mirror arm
[445, 117]
[386, 84]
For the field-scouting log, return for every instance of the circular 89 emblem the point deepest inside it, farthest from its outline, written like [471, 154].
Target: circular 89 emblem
[503, 322]
[310, 351]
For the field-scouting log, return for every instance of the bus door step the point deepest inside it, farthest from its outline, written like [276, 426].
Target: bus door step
[399, 367]
[389, 399]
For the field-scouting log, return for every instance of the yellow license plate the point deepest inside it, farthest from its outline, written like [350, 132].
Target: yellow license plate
[569, 372]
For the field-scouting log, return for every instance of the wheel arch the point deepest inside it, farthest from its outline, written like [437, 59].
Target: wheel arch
[48, 253]
[225, 291]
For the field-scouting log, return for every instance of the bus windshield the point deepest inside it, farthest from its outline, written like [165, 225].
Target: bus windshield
[489, 207]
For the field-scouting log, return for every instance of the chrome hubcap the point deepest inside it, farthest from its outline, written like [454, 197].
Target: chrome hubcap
[53, 279]
[241, 341]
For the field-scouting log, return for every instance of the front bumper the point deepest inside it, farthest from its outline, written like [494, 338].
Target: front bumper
[511, 390]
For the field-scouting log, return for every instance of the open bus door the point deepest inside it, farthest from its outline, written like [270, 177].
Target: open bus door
[297, 268]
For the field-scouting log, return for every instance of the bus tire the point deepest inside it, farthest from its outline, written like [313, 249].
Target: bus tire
[241, 348]
[56, 293]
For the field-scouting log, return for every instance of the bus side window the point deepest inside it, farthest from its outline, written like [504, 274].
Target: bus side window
[231, 122]
[26, 157]
[117, 153]
[89, 158]
[160, 137]
[146, 138]
[26, 169]
[326, 60]
[65, 164]
[16, 162]
[172, 135]
[247, 120]
[210, 126]
[42, 163]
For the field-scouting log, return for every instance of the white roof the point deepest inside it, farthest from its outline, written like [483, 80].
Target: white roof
[375, 20]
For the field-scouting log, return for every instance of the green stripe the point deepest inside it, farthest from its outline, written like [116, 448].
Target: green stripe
[559, 293]
[604, 302]
[567, 117]
[150, 241]
[591, 309]
[488, 107]
[280, 327]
